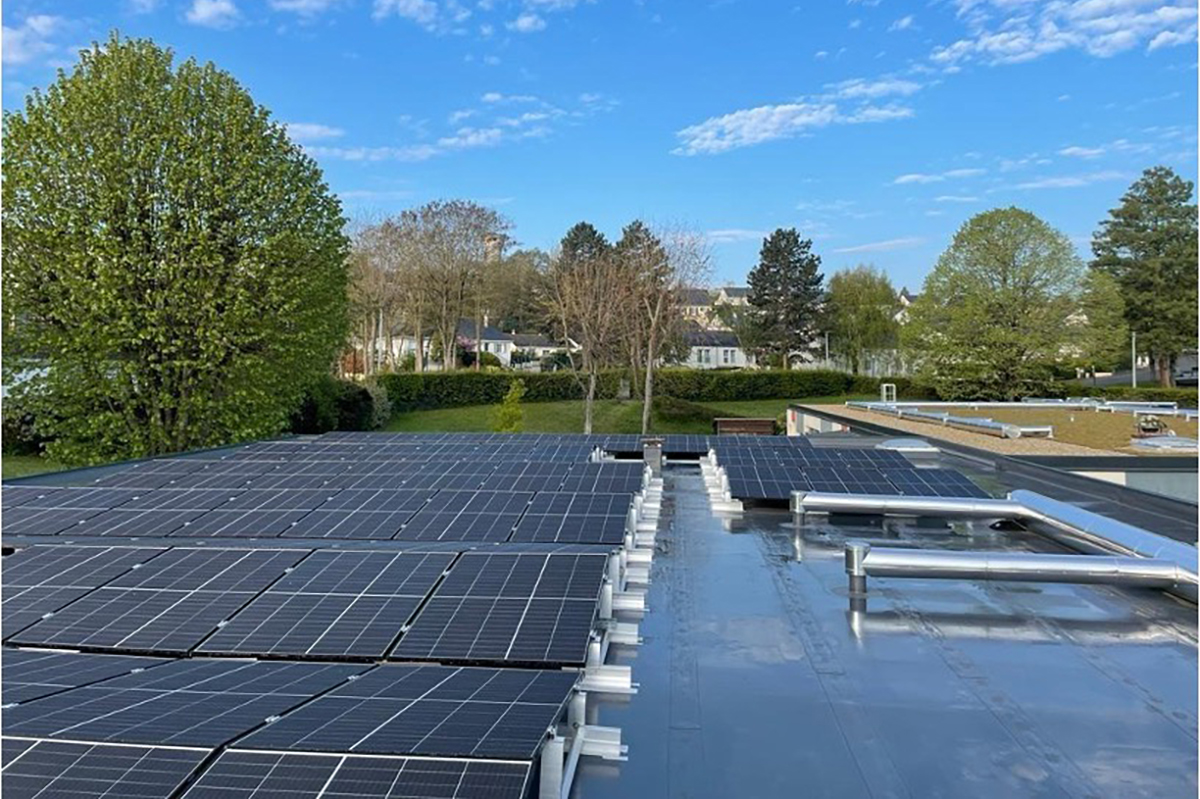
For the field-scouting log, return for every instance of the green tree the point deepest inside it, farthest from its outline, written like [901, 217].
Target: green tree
[1101, 332]
[861, 313]
[509, 417]
[786, 294]
[1148, 245]
[992, 319]
[174, 269]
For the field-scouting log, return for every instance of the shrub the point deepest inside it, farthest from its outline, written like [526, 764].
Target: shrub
[490, 360]
[318, 411]
[509, 417]
[672, 409]
[20, 436]
[332, 404]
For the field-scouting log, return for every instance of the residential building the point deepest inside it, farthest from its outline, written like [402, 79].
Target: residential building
[715, 349]
[698, 306]
[536, 344]
[906, 299]
[491, 340]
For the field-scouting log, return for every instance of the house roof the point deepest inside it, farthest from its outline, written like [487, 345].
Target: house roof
[466, 329]
[697, 297]
[532, 340]
[737, 292]
[906, 295]
[711, 338]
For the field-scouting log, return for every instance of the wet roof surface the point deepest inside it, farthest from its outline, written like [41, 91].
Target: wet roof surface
[757, 679]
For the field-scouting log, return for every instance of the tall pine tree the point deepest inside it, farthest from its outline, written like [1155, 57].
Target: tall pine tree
[1148, 245]
[786, 293]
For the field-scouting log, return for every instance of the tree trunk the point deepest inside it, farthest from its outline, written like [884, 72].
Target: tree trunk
[1164, 371]
[588, 401]
[478, 341]
[419, 356]
[648, 390]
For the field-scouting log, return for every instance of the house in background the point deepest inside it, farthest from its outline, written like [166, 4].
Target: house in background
[733, 295]
[715, 349]
[697, 306]
[906, 300]
[535, 345]
[491, 340]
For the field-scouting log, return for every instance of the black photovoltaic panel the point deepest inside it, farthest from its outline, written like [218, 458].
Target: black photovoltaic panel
[467, 516]
[239, 524]
[609, 478]
[575, 518]
[279, 499]
[518, 608]
[427, 710]
[132, 523]
[83, 566]
[50, 769]
[41, 580]
[192, 702]
[183, 499]
[25, 520]
[933, 483]
[388, 500]
[169, 605]
[15, 496]
[527, 476]
[765, 481]
[33, 673]
[341, 604]
[360, 513]
[239, 774]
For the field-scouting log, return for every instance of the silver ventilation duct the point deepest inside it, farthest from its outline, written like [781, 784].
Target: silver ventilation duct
[1159, 561]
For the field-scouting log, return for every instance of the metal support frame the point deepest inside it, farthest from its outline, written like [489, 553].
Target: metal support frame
[1168, 564]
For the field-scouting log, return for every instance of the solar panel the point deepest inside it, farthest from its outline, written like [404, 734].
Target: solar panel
[467, 516]
[349, 604]
[15, 496]
[605, 478]
[575, 518]
[426, 710]
[933, 483]
[192, 702]
[170, 605]
[239, 774]
[133, 523]
[41, 580]
[61, 769]
[25, 520]
[33, 673]
[514, 608]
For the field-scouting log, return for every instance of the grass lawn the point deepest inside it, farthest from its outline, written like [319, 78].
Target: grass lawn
[25, 465]
[611, 416]
[1110, 431]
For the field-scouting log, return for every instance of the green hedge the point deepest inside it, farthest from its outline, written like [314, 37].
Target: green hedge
[409, 391]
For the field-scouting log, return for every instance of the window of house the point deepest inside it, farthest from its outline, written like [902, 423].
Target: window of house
[726, 357]
[704, 355]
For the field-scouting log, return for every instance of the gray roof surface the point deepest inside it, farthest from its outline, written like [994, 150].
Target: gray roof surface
[757, 680]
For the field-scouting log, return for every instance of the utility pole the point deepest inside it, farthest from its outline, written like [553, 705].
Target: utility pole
[1133, 356]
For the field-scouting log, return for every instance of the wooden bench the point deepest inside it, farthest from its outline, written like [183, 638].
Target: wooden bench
[732, 425]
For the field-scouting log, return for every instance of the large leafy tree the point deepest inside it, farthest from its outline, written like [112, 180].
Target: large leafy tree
[1101, 333]
[1148, 244]
[787, 295]
[993, 317]
[862, 313]
[174, 268]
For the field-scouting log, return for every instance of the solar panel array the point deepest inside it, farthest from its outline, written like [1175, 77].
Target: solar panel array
[772, 473]
[391, 616]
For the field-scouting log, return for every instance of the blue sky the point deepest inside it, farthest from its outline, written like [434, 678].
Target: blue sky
[875, 127]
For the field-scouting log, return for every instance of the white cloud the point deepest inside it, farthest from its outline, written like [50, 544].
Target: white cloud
[855, 23]
[734, 235]
[527, 23]
[460, 115]
[465, 138]
[1062, 98]
[937, 177]
[902, 24]
[213, 13]
[143, 6]
[862, 88]
[486, 30]
[821, 54]
[31, 39]
[752, 126]
[312, 131]
[306, 8]
[955, 198]
[422, 12]
[1072, 181]
[884, 246]
[420, 152]
[1081, 152]
[1012, 31]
